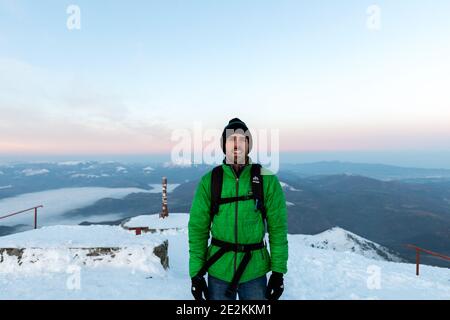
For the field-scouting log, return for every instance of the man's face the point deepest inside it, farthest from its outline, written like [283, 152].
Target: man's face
[236, 147]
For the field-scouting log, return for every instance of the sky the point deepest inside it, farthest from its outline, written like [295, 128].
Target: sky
[333, 78]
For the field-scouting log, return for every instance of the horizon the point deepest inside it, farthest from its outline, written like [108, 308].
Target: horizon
[434, 160]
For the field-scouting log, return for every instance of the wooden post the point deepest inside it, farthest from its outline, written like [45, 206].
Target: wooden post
[35, 217]
[417, 261]
[165, 210]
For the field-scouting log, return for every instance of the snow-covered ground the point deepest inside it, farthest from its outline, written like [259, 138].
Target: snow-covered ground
[284, 185]
[327, 274]
[338, 239]
[134, 274]
[313, 272]
[56, 202]
[174, 220]
[78, 236]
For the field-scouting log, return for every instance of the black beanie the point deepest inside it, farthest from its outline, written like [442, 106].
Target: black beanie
[235, 124]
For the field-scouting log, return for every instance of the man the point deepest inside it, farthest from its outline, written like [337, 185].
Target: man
[237, 201]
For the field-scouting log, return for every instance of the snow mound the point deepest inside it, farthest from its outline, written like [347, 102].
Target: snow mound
[79, 237]
[59, 248]
[326, 274]
[153, 221]
[49, 260]
[284, 185]
[338, 239]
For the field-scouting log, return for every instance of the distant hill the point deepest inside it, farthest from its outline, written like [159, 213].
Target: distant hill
[377, 171]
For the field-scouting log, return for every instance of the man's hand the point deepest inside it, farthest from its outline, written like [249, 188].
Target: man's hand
[275, 287]
[199, 287]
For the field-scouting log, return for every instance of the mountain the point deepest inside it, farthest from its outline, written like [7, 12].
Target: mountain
[376, 171]
[340, 240]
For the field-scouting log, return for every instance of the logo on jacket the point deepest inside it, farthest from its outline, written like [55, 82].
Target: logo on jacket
[255, 180]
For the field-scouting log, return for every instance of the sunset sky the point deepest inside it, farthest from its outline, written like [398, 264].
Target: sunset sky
[138, 70]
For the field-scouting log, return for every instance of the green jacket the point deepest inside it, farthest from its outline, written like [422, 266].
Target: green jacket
[237, 222]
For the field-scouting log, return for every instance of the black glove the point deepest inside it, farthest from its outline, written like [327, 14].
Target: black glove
[275, 287]
[199, 287]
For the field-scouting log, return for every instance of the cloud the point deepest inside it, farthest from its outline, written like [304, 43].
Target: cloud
[50, 112]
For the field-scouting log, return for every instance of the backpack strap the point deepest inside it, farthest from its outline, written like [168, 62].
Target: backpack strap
[216, 189]
[258, 189]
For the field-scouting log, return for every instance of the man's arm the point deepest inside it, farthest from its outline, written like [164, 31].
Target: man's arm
[277, 224]
[199, 224]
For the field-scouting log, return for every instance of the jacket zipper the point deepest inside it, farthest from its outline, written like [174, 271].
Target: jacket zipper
[236, 219]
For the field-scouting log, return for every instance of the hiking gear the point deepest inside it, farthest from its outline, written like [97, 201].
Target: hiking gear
[275, 287]
[236, 125]
[199, 288]
[238, 223]
[257, 190]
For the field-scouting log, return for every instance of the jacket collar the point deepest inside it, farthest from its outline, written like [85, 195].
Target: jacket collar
[228, 169]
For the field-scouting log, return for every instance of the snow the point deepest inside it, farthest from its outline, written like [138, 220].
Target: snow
[326, 274]
[71, 163]
[6, 187]
[43, 260]
[78, 236]
[121, 169]
[56, 202]
[95, 283]
[1, 172]
[34, 172]
[55, 248]
[133, 274]
[313, 273]
[89, 176]
[83, 175]
[92, 166]
[148, 169]
[153, 221]
[157, 187]
[286, 186]
[338, 239]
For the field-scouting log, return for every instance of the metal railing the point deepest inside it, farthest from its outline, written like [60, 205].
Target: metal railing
[419, 250]
[26, 210]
